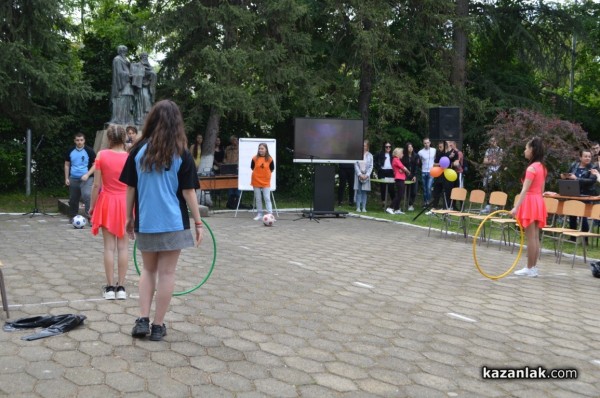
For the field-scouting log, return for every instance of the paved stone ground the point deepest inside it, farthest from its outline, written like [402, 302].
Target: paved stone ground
[341, 308]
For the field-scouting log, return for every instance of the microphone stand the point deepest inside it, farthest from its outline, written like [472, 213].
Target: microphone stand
[35, 209]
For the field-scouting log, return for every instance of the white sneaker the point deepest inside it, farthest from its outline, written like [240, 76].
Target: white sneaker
[258, 217]
[428, 213]
[358, 210]
[389, 210]
[531, 272]
[398, 212]
[410, 208]
[108, 293]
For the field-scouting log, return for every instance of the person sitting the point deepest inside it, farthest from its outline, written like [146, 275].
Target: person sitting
[196, 150]
[219, 155]
[582, 170]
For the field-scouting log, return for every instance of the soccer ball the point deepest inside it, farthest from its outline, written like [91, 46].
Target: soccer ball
[268, 220]
[79, 221]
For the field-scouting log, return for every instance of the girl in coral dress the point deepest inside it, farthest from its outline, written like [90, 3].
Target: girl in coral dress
[108, 207]
[530, 210]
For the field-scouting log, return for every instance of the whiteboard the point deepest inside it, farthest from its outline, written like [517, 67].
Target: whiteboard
[248, 148]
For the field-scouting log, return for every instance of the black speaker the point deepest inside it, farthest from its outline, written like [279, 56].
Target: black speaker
[444, 123]
[324, 198]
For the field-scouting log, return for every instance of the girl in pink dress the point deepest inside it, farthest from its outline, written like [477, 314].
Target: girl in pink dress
[108, 208]
[530, 210]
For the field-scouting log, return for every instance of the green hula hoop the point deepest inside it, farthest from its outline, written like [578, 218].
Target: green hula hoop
[212, 267]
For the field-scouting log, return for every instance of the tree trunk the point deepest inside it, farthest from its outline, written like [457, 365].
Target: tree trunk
[366, 90]
[210, 137]
[366, 83]
[459, 61]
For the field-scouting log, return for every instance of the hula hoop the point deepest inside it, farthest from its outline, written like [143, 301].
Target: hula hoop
[137, 268]
[476, 236]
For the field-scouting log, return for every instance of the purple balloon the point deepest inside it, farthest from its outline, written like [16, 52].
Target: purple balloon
[444, 162]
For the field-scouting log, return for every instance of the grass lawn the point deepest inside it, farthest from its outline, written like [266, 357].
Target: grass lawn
[17, 202]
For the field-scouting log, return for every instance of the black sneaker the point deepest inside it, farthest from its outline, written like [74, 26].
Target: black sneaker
[158, 332]
[141, 328]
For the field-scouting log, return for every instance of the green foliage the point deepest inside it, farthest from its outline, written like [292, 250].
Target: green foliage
[11, 161]
[513, 129]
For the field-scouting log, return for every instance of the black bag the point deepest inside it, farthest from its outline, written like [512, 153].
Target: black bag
[595, 266]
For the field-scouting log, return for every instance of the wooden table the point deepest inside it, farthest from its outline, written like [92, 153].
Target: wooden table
[390, 180]
[589, 201]
[213, 183]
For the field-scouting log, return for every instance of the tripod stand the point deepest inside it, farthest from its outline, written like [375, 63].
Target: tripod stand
[35, 209]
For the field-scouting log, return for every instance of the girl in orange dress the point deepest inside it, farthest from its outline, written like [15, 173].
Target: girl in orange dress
[108, 208]
[530, 210]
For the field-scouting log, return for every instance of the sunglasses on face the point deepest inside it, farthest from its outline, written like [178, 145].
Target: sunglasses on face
[388, 146]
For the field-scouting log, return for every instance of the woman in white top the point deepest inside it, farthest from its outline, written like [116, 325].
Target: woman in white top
[362, 178]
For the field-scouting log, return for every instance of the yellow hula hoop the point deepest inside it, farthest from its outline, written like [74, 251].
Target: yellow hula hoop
[476, 236]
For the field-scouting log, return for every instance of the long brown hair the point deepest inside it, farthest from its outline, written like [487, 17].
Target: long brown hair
[165, 135]
[267, 155]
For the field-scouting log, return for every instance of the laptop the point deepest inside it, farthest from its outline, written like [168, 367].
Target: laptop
[229, 168]
[569, 188]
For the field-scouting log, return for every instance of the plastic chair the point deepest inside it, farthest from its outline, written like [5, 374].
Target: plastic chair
[456, 195]
[497, 199]
[552, 230]
[578, 211]
[506, 225]
[476, 201]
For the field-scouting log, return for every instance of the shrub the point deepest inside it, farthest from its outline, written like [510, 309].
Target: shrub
[513, 129]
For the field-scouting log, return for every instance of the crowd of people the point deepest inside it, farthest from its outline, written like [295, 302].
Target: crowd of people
[399, 171]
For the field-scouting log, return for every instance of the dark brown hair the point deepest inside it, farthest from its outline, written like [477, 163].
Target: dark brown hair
[165, 135]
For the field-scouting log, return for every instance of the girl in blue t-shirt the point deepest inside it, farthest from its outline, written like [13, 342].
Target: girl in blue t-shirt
[161, 177]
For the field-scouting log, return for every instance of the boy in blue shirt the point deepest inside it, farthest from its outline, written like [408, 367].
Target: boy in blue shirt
[79, 174]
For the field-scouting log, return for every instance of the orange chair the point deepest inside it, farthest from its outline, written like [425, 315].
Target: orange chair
[497, 199]
[476, 201]
[456, 195]
[578, 211]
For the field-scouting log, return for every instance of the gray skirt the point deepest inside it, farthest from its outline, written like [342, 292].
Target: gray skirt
[164, 241]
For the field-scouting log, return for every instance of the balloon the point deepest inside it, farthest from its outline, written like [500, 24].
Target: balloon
[436, 171]
[450, 175]
[444, 162]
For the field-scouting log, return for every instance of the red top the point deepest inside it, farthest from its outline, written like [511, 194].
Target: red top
[398, 168]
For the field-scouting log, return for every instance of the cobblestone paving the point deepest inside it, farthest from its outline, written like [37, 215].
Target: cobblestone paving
[342, 308]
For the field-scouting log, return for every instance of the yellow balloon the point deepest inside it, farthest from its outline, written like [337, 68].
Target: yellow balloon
[450, 175]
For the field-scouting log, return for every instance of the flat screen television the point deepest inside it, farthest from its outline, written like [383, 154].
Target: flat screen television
[328, 140]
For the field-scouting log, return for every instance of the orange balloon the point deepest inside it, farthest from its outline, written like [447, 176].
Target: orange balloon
[436, 171]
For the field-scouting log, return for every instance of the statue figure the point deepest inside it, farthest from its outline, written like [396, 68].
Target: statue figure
[144, 84]
[121, 95]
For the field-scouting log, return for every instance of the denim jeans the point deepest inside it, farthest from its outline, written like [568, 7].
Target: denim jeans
[79, 190]
[266, 194]
[427, 184]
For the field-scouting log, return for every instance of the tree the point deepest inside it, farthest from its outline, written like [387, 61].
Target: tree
[41, 82]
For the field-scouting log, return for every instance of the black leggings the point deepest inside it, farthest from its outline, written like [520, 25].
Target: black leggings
[399, 194]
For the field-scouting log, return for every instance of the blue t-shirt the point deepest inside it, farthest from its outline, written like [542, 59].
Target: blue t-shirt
[159, 203]
[81, 160]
